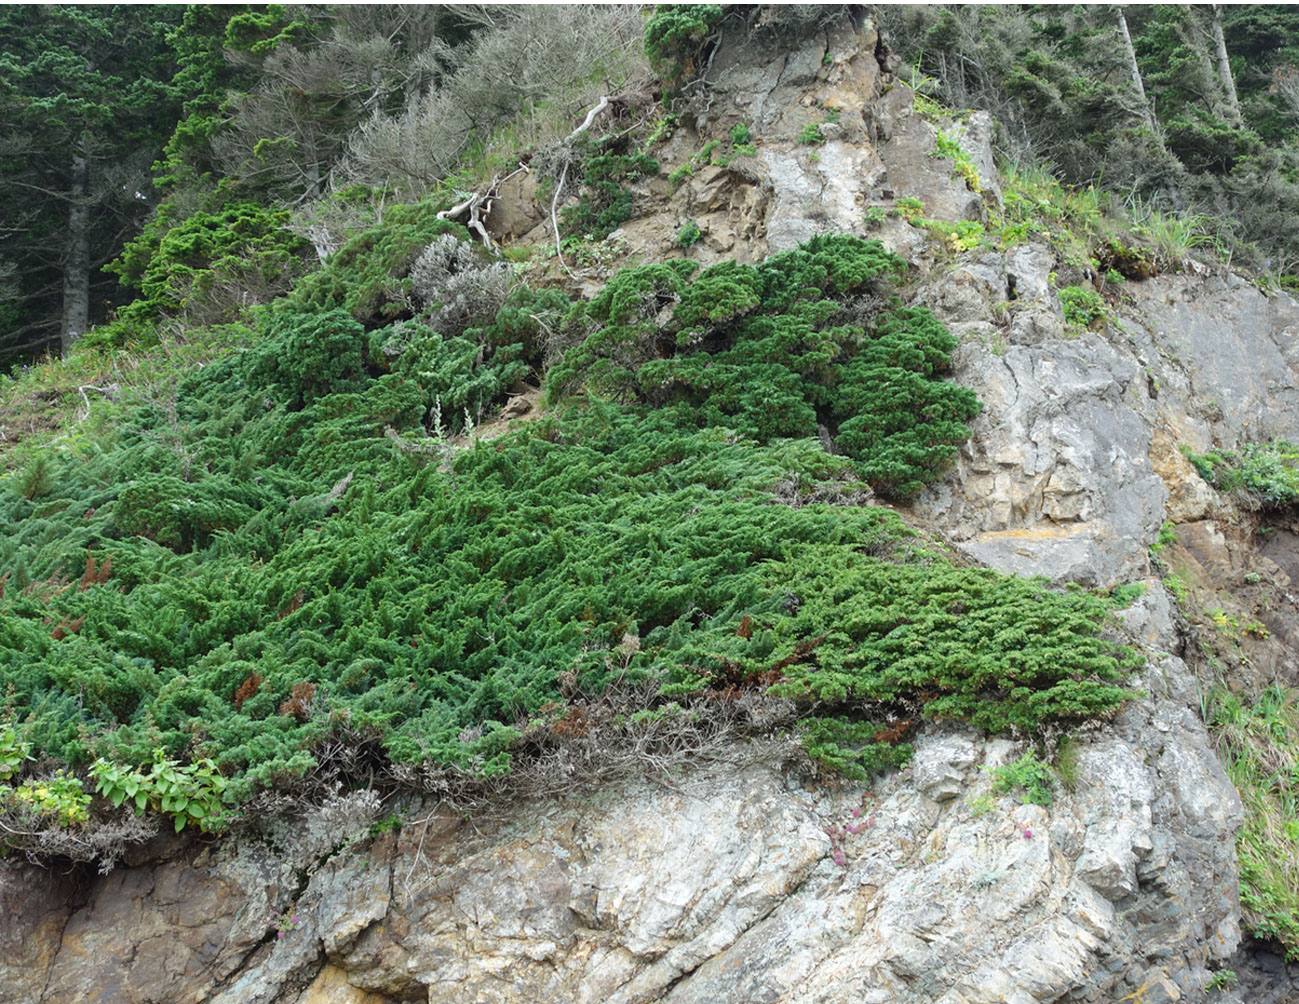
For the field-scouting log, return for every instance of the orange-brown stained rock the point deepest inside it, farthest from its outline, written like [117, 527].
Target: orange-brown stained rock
[332, 987]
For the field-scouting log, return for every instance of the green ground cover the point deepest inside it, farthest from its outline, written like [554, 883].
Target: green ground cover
[288, 554]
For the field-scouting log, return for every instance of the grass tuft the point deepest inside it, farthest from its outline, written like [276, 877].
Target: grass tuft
[1258, 743]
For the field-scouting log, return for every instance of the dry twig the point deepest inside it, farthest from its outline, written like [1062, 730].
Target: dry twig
[479, 205]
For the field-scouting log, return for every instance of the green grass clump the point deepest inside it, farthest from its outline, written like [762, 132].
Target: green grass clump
[810, 135]
[928, 108]
[1222, 979]
[1259, 746]
[1264, 475]
[1028, 776]
[909, 208]
[962, 166]
[1038, 204]
[739, 145]
[1175, 236]
[689, 234]
[956, 236]
[1090, 228]
[778, 349]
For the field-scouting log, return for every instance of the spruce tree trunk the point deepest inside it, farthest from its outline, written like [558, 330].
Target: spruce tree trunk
[1224, 67]
[76, 259]
[1136, 71]
[314, 181]
[1174, 190]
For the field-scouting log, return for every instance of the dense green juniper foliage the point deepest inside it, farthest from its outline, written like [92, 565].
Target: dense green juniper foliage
[606, 201]
[291, 552]
[177, 261]
[295, 551]
[675, 37]
[780, 348]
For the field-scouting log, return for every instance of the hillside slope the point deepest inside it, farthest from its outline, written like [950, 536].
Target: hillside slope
[679, 846]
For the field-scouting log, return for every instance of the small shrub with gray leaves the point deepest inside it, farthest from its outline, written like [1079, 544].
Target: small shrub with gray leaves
[457, 287]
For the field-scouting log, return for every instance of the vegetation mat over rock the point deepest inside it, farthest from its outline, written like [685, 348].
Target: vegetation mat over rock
[290, 554]
[803, 342]
[1261, 475]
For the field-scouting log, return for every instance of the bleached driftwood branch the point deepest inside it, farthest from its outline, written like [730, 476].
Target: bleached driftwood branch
[479, 204]
[600, 106]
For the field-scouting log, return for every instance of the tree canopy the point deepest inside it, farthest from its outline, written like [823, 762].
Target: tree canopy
[87, 102]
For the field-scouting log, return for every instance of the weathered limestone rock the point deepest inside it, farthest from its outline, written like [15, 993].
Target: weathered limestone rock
[873, 147]
[170, 931]
[1117, 820]
[1189, 497]
[914, 169]
[942, 768]
[1057, 477]
[1077, 459]
[1225, 354]
[818, 196]
[516, 210]
[35, 905]
[331, 986]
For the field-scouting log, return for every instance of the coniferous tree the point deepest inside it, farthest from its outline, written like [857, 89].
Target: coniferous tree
[314, 79]
[1135, 70]
[1224, 66]
[86, 101]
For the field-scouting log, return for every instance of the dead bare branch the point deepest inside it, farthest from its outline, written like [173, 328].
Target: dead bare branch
[109, 391]
[479, 205]
[567, 143]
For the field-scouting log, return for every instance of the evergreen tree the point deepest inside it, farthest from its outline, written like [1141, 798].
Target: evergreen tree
[86, 100]
[1181, 107]
[315, 78]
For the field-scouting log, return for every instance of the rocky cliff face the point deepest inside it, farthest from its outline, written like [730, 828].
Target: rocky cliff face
[745, 880]
[740, 882]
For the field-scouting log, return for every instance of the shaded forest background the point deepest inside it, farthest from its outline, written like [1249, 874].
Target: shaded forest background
[159, 162]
